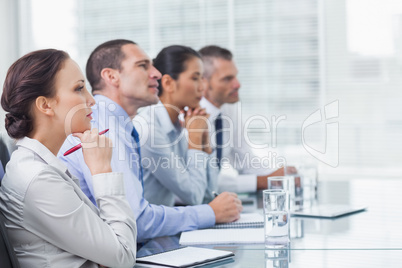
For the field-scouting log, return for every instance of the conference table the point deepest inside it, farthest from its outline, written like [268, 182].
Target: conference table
[371, 238]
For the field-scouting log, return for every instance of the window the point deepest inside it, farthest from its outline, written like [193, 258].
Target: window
[294, 56]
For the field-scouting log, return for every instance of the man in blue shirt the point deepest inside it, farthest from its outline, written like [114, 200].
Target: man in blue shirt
[123, 80]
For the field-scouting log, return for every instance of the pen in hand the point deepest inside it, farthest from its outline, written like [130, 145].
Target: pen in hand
[215, 194]
[76, 147]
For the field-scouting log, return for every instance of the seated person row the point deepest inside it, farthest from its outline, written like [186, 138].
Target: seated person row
[222, 89]
[175, 166]
[50, 221]
[178, 161]
[123, 79]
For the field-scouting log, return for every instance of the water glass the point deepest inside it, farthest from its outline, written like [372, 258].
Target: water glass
[292, 184]
[277, 258]
[276, 218]
[297, 188]
[305, 179]
[310, 177]
[280, 182]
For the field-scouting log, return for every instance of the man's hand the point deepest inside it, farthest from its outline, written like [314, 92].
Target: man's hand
[227, 207]
[206, 142]
[262, 181]
[289, 170]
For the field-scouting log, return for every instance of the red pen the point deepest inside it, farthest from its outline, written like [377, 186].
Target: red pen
[76, 147]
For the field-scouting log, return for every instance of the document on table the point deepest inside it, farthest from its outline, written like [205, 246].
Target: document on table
[247, 220]
[223, 236]
[328, 210]
[184, 257]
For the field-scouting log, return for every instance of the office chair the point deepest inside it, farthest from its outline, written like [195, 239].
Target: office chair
[8, 259]
[7, 254]
[7, 146]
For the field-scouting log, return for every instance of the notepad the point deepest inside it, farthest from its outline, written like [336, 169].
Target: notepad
[185, 257]
[247, 220]
[223, 236]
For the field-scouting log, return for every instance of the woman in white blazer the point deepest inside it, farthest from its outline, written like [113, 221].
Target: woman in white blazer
[50, 222]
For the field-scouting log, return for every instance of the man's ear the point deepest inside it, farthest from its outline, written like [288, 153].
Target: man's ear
[110, 76]
[45, 105]
[168, 83]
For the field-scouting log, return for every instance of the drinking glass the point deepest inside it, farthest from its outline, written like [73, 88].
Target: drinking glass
[276, 218]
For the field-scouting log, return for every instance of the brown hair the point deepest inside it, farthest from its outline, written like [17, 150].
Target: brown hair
[30, 77]
[106, 55]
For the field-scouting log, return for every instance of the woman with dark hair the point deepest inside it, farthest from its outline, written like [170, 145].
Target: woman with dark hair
[50, 222]
[174, 166]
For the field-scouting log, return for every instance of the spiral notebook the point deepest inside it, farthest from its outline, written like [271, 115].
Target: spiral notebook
[247, 220]
[184, 257]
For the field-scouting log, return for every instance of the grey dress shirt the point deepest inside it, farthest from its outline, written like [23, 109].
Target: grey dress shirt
[50, 221]
[170, 168]
[237, 153]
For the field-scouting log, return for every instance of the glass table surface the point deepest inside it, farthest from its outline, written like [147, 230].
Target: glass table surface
[372, 238]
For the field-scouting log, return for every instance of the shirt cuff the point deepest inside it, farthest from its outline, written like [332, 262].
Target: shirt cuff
[108, 184]
[206, 216]
[246, 183]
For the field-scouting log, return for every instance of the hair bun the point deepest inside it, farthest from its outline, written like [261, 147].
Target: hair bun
[10, 119]
[15, 123]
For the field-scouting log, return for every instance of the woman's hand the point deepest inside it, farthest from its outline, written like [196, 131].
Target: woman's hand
[97, 151]
[206, 142]
[196, 122]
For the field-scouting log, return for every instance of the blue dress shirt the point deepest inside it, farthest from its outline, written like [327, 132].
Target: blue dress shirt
[152, 220]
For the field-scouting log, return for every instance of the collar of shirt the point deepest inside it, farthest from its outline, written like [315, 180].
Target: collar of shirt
[120, 115]
[162, 115]
[43, 152]
[210, 108]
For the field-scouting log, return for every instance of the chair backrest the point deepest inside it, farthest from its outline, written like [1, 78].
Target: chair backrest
[8, 259]
[7, 146]
[4, 158]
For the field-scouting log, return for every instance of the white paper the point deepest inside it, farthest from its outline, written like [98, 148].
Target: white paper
[223, 236]
[186, 256]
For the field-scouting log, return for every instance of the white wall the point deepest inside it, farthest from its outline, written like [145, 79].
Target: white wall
[9, 45]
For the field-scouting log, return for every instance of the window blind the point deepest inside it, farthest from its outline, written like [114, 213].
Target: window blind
[296, 58]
